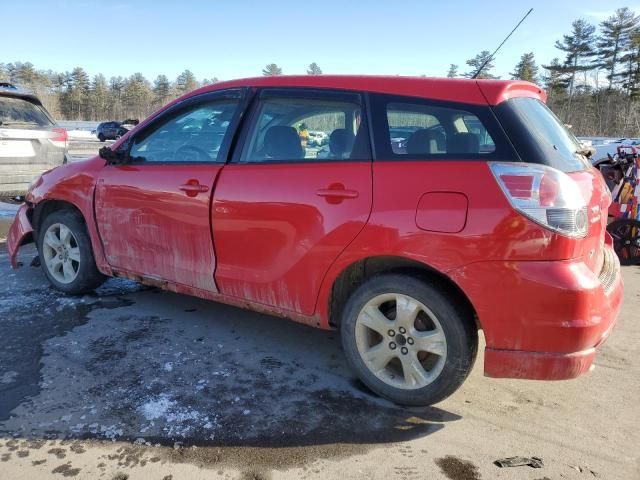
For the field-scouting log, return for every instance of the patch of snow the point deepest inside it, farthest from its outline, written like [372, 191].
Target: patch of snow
[155, 409]
[8, 377]
[168, 366]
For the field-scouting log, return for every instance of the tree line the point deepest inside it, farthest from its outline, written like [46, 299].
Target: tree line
[76, 96]
[593, 85]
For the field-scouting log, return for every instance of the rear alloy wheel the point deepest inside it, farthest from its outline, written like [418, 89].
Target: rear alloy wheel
[626, 240]
[408, 341]
[66, 255]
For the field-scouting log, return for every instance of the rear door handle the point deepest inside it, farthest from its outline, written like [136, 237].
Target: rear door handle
[334, 193]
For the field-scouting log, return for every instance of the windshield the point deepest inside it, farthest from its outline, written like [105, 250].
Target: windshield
[539, 136]
[19, 113]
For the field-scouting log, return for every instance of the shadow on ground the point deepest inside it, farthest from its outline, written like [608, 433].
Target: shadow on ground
[146, 366]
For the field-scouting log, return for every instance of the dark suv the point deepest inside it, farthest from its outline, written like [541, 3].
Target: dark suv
[110, 131]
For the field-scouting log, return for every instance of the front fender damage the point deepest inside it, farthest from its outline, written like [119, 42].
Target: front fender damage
[20, 233]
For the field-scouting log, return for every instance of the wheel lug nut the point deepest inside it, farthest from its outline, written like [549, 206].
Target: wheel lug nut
[402, 330]
[391, 333]
[410, 341]
[392, 346]
[404, 350]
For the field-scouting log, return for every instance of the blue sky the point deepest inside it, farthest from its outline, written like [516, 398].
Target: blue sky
[234, 39]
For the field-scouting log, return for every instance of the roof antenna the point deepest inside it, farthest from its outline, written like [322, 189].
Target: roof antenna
[475, 75]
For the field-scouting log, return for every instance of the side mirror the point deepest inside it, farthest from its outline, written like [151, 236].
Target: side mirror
[113, 157]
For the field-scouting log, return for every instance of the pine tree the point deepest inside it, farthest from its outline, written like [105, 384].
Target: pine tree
[161, 90]
[186, 82]
[116, 94]
[631, 62]
[137, 95]
[313, 69]
[74, 100]
[526, 69]
[614, 40]
[453, 71]
[555, 80]
[477, 62]
[579, 51]
[99, 98]
[271, 70]
[23, 74]
[4, 73]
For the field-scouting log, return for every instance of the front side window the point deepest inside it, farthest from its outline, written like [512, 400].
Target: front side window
[194, 134]
[316, 127]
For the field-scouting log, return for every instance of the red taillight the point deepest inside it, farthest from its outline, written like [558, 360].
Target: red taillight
[61, 137]
[545, 195]
[519, 186]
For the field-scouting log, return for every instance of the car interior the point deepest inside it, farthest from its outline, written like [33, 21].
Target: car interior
[277, 134]
[423, 130]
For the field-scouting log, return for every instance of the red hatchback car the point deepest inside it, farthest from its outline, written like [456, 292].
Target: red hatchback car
[437, 207]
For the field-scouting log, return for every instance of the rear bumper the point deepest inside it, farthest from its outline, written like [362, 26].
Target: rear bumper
[21, 232]
[543, 320]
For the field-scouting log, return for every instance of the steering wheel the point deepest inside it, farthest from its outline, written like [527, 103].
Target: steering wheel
[190, 153]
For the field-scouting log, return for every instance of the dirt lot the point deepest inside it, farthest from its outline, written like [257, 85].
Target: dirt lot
[141, 384]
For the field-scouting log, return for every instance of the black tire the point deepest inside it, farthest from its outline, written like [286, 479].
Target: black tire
[88, 277]
[626, 240]
[101, 137]
[456, 323]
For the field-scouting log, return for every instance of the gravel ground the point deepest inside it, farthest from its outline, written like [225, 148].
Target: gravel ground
[135, 383]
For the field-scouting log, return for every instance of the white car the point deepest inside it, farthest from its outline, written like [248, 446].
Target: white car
[318, 138]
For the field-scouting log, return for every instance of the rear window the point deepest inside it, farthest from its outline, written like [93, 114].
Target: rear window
[412, 128]
[19, 113]
[539, 136]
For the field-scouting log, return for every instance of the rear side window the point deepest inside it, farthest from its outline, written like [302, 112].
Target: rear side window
[298, 126]
[410, 128]
[539, 136]
[19, 113]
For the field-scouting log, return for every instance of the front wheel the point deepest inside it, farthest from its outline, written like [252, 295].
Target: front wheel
[66, 255]
[408, 340]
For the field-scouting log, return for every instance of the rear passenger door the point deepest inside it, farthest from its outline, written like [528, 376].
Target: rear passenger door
[297, 192]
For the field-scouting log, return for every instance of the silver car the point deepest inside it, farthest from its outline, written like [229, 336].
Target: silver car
[30, 140]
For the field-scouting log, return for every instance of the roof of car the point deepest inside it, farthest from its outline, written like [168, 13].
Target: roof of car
[10, 90]
[453, 89]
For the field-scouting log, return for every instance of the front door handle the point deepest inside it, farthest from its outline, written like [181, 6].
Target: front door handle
[336, 193]
[193, 188]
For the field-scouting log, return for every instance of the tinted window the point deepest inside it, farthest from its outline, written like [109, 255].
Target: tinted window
[194, 134]
[19, 113]
[298, 127]
[539, 136]
[428, 130]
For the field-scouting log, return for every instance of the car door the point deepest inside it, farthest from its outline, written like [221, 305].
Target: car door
[285, 208]
[152, 211]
